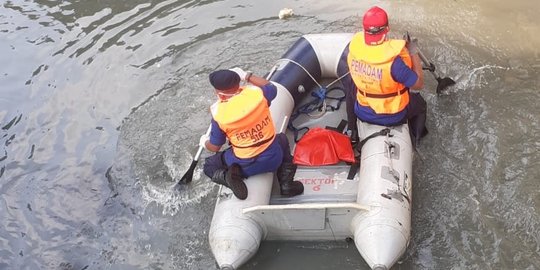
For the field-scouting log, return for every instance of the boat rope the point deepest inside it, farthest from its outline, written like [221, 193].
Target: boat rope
[302, 67]
[311, 76]
[319, 104]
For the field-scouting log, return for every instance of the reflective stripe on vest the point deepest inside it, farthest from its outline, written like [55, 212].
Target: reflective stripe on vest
[245, 118]
[370, 68]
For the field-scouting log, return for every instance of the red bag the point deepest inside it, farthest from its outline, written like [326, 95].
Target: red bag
[321, 146]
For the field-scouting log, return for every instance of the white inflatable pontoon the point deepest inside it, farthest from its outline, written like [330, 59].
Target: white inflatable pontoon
[373, 207]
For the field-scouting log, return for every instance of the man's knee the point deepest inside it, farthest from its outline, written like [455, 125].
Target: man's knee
[282, 140]
[213, 163]
[417, 102]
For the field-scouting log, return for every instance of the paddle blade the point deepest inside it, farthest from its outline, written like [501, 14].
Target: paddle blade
[188, 176]
[443, 83]
[181, 187]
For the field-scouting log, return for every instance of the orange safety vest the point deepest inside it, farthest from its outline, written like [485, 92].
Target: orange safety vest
[246, 120]
[370, 68]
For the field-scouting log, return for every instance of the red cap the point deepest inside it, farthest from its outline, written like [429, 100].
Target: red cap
[375, 25]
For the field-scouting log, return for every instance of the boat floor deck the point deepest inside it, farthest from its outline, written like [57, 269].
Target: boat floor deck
[321, 183]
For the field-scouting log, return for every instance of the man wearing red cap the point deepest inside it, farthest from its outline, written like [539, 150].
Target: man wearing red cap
[382, 71]
[242, 116]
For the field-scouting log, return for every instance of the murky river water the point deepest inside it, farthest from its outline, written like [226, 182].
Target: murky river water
[102, 104]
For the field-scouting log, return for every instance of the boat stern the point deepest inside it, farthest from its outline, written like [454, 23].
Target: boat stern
[232, 252]
[235, 237]
[381, 245]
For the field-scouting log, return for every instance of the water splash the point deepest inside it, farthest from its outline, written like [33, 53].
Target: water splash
[173, 199]
[477, 76]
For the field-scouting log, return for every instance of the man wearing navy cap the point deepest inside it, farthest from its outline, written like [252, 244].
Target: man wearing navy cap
[382, 71]
[242, 116]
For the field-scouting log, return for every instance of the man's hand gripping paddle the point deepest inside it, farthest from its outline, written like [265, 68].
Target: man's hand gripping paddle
[442, 82]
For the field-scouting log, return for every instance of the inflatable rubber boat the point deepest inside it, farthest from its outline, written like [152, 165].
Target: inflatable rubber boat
[371, 205]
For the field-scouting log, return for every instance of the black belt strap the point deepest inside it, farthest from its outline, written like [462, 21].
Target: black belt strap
[354, 167]
[383, 132]
[339, 128]
[370, 95]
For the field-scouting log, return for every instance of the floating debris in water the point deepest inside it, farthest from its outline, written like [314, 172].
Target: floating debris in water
[285, 13]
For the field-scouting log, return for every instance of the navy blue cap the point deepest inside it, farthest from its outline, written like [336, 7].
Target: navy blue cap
[224, 79]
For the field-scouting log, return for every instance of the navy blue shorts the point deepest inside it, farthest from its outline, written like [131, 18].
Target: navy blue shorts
[268, 161]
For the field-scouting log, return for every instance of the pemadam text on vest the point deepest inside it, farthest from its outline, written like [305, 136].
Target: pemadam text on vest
[363, 69]
[254, 133]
